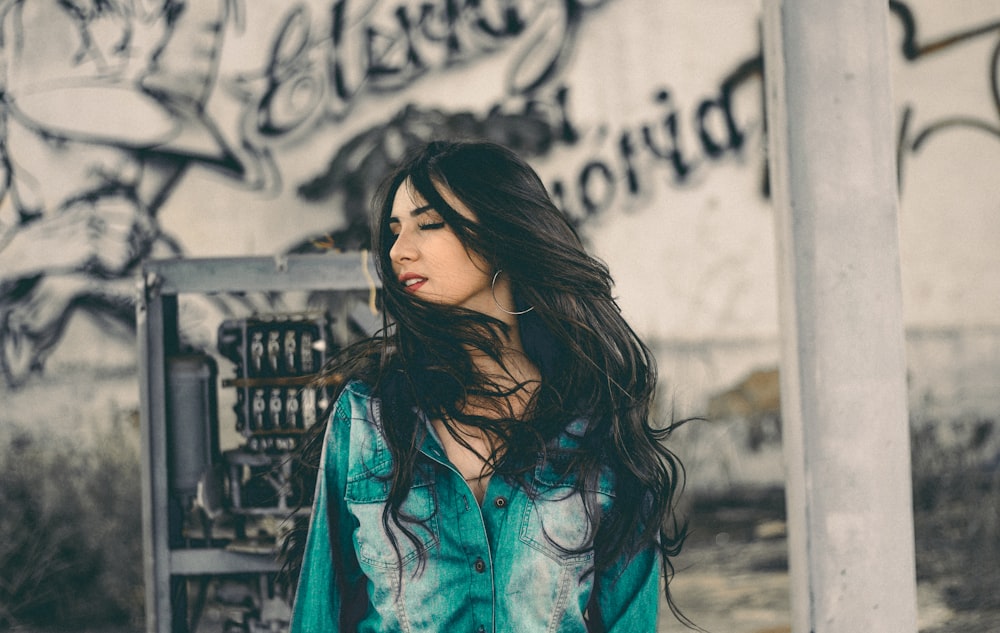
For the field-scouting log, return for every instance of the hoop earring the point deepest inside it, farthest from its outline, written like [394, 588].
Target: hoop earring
[493, 289]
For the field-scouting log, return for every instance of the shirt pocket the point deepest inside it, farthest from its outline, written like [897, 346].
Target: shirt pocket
[366, 499]
[555, 520]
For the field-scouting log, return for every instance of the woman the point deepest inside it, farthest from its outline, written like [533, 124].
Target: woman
[490, 464]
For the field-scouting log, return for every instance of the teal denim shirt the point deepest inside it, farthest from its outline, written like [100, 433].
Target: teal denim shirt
[505, 566]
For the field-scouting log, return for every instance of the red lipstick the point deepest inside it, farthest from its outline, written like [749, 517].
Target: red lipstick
[412, 281]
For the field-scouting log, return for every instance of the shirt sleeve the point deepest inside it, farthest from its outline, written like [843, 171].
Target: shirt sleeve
[628, 599]
[319, 599]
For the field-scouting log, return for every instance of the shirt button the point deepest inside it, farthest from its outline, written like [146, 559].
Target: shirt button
[500, 502]
[479, 565]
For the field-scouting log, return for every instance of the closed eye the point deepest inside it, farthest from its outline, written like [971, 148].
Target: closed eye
[430, 226]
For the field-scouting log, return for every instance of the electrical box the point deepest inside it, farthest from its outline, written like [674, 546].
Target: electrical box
[229, 353]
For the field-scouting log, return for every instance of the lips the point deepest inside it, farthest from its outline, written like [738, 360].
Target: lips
[411, 281]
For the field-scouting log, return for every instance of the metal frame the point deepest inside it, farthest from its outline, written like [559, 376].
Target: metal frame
[166, 569]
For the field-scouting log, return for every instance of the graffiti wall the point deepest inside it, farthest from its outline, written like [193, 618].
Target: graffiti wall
[161, 128]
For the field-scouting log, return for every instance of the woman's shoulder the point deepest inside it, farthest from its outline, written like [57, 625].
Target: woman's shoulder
[354, 401]
[356, 388]
[355, 433]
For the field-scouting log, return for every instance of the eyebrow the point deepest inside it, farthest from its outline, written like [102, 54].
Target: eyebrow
[414, 213]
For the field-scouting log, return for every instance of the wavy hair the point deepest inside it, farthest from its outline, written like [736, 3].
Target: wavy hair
[592, 364]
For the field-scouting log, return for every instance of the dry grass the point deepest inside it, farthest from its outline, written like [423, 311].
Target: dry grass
[72, 551]
[957, 518]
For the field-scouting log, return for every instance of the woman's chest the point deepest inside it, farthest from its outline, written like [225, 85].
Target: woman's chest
[521, 555]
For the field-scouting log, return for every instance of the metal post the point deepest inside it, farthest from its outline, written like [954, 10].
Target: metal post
[156, 316]
[843, 371]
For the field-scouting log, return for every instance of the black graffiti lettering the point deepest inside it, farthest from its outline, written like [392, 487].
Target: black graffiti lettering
[902, 141]
[645, 144]
[393, 59]
[466, 28]
[439, 28]
[363, 53]
[540, 60]
[721, 108]
[913, 48]
[451, 39]
[556, 114]
[386, 45]
[336, 72]
[912, 138]
[596, 195]
[670, 148]
[627, 151]
[295, 87]
[619, 170]
[509, 21]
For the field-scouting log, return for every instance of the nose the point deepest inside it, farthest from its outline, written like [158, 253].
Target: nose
[403, 249]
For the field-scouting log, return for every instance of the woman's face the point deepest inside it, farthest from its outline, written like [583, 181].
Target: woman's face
[431, 262]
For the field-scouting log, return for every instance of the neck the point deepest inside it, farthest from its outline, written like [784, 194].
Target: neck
[513, 373]
[514, 363]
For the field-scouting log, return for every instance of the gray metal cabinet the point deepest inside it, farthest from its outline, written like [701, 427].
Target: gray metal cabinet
[210, 512]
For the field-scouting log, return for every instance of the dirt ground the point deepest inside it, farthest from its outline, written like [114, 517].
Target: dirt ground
[732, 576]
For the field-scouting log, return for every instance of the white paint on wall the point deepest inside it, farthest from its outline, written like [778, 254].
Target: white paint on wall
[693, 257]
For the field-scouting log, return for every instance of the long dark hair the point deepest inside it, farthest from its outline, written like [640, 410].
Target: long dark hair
[593, 366]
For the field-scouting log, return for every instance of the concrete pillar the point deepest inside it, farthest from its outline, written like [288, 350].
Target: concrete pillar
[843, 371]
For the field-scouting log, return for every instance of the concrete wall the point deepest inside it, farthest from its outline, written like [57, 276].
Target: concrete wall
[223, 128]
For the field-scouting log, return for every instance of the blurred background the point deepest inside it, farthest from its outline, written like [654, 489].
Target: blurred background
[138, 129]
